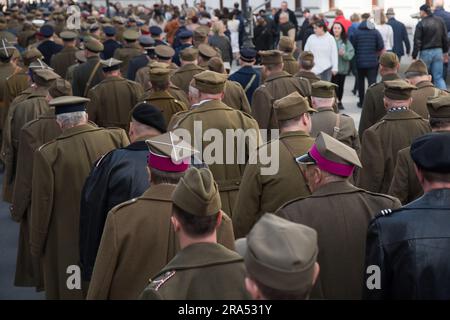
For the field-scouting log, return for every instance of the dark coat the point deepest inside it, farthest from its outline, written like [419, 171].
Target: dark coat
[117, 177]
[400, 37]
[135, 64]
[263, 38]
[109, 47]
[410, 245]
[81, 76]
[367, 42]
[245, 77]
[430, 33]
[48, 48]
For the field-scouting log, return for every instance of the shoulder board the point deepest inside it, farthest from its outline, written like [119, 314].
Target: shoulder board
[374, 84]
[99, 161]
[157, 283]
[292, 201]
[387, 212]
[46, 144]
[29, 123]
[123, 204]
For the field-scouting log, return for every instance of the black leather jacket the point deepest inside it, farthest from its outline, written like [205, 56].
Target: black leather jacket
[411, 246]
[430, 33]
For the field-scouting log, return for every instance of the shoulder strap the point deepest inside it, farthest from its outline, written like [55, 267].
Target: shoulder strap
[337, 128]
[249, 84]
[88, 83]
[293, 156]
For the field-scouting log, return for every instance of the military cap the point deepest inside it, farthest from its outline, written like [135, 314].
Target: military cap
[216, 64]
[389, 60]
[210, 82]
[29, 16]
[69, 104]
[59, 88]
[68, 35]
[247, 54]
[155, 64]
[281, 254]
[291, 106]
[31, 55]
[140, 22]
[146, 41]
[149, 115]
[439, 106]
[323, 89]
[200, 34]
[109, 31]
[185, 34]
[38, 23]
[94, 27]
[197, 193]
[130, 35]
[118, 20]
[431, 152]
[111, 64]
[398, 89]
[160, 75]
[46, 74]
[417, 68]
[38, 64]
[168, 152]
[164, 52]
[91, 19]
[286, 44]
[104, 20]
[331, 156]
[80, 56]
[271, 57]
[6, 49]
[189, 54]
[93, 45]
[206, 51]
[46, 30]
[155, 30]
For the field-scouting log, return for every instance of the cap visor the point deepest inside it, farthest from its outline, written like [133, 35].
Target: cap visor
[305, 159]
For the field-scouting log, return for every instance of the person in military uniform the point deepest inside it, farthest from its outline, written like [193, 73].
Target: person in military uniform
[213, 113]
[205, 53]
[189, 68]
[395, 131]
[66, 57]
[32, 135]
[89, 73]
[19, 114]
[233, 94]
[417, 75]
[140, 61]
[146, 239]
[19, 80]
[185, 38]
[156, 34]
[112, 99]
[110, 44]
[119, 24]
[278, 84]
[339, 126]
[287, 46]
[405, 185]
[130, 49]
[200, 36]
[280, 258]
[160, 97]
[80, 58]
[116, 177]
[246, 75]
[340, 213]
[202, 266]
[373, 108]
[48, 47]
[410, 245]
[60, 168]
[260, 193]
[306, 63]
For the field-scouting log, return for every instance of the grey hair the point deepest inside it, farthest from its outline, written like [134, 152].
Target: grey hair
[69, 120]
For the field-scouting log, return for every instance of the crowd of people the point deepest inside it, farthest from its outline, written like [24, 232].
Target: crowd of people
[102, 180]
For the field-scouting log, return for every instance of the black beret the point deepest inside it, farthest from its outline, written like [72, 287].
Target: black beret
[431, 152]
[149, 115]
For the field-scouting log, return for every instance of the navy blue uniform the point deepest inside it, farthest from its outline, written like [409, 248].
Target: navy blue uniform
[48, 48]
[110, 46]
[244, 75]
[135, 64]
[176, 57]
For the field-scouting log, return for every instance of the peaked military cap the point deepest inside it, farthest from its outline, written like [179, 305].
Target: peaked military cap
[109, 31]
[389, 60]
[189, 54]
[146, 41]
[398, 89]
[130, 35]
[206, 51]
[197, 193]
[185, 34]
[59, 88]
[80, 56]
[149, 115]
[291, 106]
[417, 68]
[111, 64]
[68, 35]
[31, 55]
[38, 64]
[247, 54]
[431, 152]
[6, 49]
[160, 75]
[216, 64]
[164, 52]
[323, 89]
[210, 82]
[332, 156]
[200, 35]
[281, 254]
[94, 27]
[155, 64]
[44, 77]
[93, 45]
[47, 30]
[271, 57]
[286, 44]
[69, 104]
[155, 30]
[439, 106]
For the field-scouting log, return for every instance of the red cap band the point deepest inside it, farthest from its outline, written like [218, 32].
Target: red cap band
[164, 163]
[339, 169]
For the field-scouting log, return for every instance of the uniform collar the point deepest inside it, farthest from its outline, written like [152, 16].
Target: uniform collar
[307, 75]
[113, 78]
[324, 109]
[390, 77]
[197, 105]
[434, 199]
[401, 115]
[297, 133]
[337, 187]
[246, 69]
[156, 95]
[288, 57]
[161, 191]
[137, 145]
[202, 255]
[39, 92]
[189, 67]
[425, 84]
[278, 75]
[77, 130]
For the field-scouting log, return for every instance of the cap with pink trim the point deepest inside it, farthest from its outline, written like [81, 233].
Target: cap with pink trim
[331, 156]
[169, 153]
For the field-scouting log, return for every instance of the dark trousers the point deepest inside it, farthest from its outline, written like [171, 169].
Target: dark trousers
[371, 75]
[355, 73]
[339, 80]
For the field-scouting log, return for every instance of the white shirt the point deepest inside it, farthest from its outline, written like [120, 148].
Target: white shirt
[325, 52]
[387, 33]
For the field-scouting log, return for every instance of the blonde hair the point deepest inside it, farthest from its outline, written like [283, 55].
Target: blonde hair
[218, 28]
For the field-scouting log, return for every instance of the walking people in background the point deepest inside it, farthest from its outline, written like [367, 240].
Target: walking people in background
[355, 19]
[387, 33]
[400, 35]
